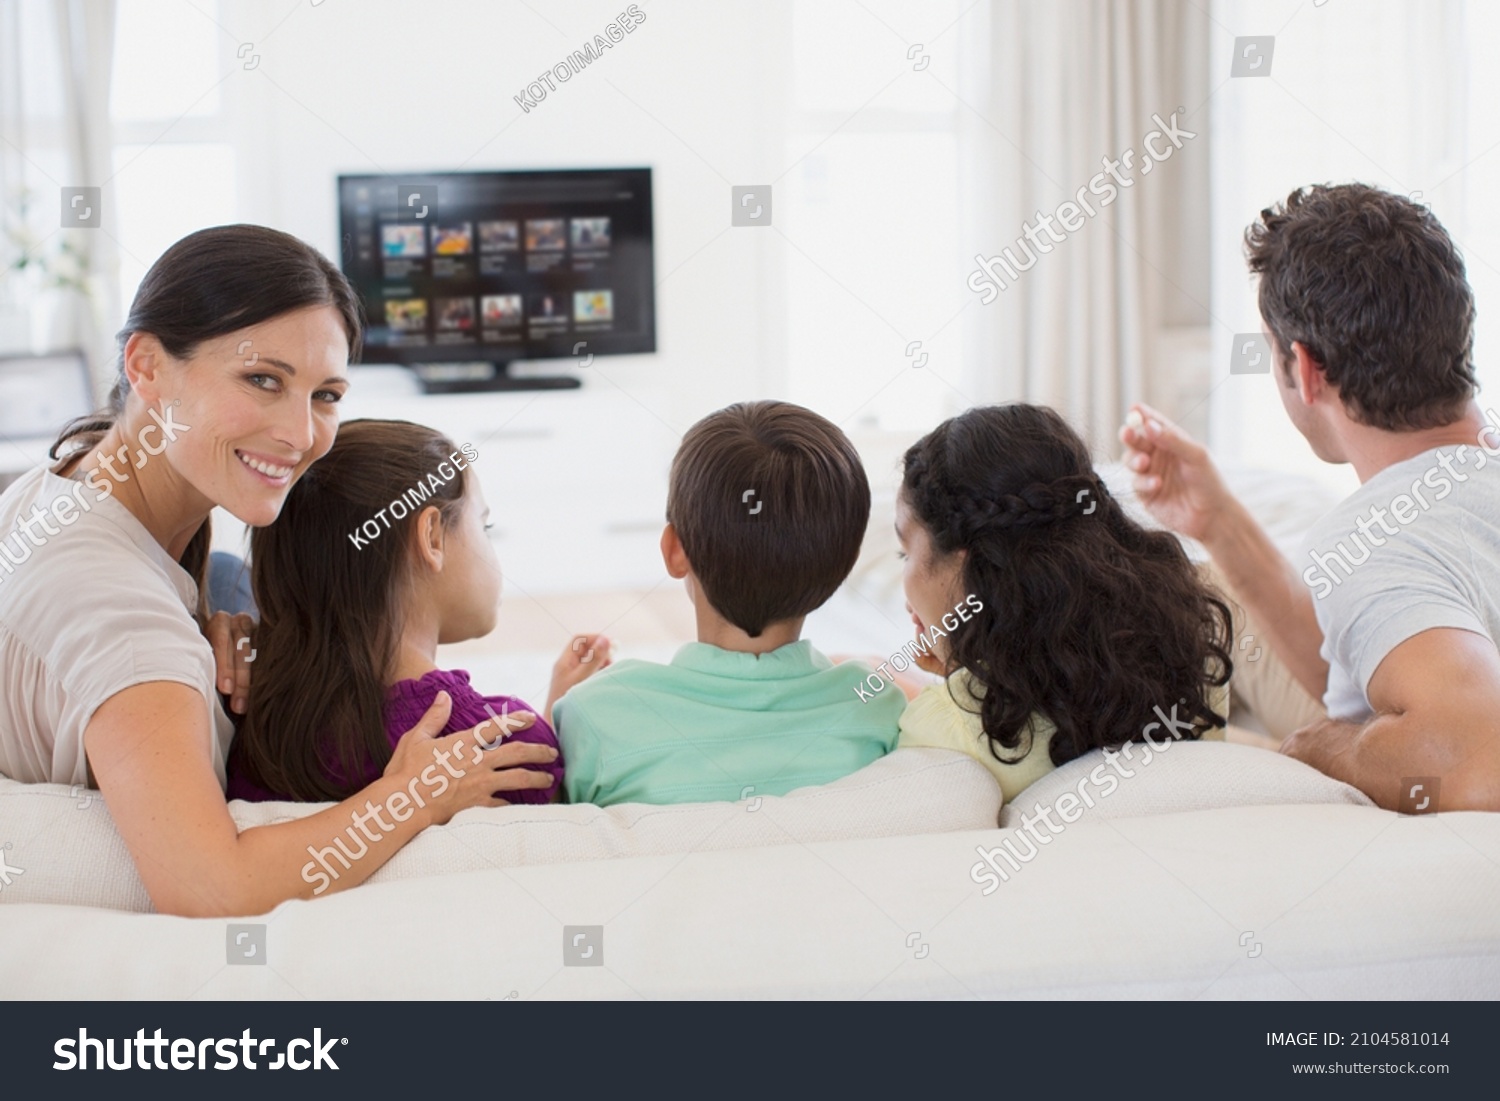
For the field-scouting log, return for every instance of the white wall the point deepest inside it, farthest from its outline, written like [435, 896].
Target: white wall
[694, 92]
[822, 100]
[390, 86]
[711, 95]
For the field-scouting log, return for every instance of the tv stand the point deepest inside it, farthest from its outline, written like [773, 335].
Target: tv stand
[483, 377]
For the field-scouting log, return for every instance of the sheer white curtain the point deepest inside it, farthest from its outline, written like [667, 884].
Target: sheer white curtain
[55, 66]
[1098, 320]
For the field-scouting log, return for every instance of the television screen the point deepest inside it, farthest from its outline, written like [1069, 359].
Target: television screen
[501, 266]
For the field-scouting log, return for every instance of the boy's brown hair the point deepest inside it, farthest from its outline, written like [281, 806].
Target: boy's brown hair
[770, 502]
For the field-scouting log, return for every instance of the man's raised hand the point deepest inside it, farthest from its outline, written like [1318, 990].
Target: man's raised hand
[1174, 476]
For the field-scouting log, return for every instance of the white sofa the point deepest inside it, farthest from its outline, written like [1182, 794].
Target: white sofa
[1213, 870]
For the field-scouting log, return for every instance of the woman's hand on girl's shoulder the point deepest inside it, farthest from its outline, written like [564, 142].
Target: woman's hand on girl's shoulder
[453, 772]
[231, 636]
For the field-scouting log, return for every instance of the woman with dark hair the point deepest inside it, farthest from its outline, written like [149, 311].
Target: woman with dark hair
[1060, 624]
[232, 363]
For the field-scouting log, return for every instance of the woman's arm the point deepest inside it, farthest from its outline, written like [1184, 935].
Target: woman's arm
[148, 748]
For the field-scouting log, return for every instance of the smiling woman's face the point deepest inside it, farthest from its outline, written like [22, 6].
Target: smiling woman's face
[254, 409]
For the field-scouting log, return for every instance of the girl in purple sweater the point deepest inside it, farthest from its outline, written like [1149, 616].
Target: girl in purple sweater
[355, 600]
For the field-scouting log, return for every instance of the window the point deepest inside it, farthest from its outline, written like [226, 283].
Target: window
[869, 212]
[1389, 93]
[174, 160]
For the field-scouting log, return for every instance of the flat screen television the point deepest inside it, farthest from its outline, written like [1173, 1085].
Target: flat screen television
[465, 273]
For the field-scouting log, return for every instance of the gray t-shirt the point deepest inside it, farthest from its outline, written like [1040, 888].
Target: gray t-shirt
[1415, 548]
[88, 609]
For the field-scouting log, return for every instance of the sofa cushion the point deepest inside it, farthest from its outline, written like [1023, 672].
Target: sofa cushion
[66, 845]
[1187, 776]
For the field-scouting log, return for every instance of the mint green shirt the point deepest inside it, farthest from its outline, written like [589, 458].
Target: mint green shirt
[720, 725]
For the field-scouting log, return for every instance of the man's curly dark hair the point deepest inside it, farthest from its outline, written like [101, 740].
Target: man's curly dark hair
[1373, 287]
[1090, 620]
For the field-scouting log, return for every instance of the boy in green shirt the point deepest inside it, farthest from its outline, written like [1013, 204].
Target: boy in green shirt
[766, 510]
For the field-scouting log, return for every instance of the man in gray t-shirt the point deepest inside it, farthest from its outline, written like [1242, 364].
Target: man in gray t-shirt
[1392, 612]
[1416, 547]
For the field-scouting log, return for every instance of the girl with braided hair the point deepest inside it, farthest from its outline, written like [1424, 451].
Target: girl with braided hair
[1088, 623]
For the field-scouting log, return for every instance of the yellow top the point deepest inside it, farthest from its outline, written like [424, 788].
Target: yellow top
[935, 721]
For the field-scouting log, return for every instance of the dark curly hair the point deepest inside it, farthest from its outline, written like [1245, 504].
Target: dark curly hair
[1373, 287]
[1090, 620]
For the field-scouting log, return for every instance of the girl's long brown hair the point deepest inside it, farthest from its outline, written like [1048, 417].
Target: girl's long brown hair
[211, 283]
[1089, 619]
[330, 601]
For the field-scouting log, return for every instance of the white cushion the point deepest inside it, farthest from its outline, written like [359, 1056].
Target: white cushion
[71, 854]
[1188, 776]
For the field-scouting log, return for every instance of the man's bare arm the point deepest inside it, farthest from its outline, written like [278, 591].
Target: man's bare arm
[1179, 485]
[1267, 584]
[1437, 703]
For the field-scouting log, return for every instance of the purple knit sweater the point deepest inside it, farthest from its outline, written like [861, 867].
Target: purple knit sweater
[405, 703]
